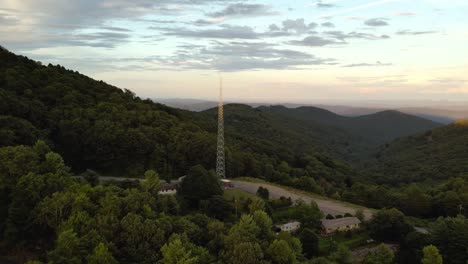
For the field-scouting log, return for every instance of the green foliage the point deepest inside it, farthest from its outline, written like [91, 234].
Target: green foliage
[431, 255]
[342, 255]
[437, 155]
[67, 249]
[176, 253]
[310, 242]
[200, 184]
[380, 255]
[263, 193]
[101, 255]
[389, 225]
[91, 177]
[151, 183]
[450, 236]
[280, 252]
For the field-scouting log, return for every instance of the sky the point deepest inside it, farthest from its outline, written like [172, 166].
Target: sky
[290, 51]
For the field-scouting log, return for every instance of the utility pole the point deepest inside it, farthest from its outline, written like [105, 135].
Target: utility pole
[220, 164]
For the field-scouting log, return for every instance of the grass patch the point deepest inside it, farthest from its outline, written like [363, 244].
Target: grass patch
[238, 195]
[355, 240]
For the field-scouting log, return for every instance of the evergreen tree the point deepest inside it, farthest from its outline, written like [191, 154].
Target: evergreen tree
[101, 255]
[431, 255]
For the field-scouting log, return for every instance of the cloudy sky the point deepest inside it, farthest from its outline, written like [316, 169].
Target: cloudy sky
[279, 50]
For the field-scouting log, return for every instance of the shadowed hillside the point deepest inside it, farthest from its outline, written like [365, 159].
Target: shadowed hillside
[435, 155]
[376, 128]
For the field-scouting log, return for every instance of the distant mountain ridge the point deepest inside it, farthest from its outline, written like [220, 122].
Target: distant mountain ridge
[436, 114]
[378, 128]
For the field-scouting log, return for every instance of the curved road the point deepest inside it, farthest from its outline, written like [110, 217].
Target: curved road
[326, 206]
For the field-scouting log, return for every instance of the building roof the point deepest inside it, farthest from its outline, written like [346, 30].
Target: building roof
[339, 222]
[168, 186]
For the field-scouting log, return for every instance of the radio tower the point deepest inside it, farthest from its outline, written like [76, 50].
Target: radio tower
[220, 166]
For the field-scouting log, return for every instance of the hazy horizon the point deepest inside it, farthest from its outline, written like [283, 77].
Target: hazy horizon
[445, 104]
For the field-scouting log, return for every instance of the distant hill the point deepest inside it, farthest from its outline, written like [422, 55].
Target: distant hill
[435, 155]
[278, 131]
[376, 128]
[437, 114]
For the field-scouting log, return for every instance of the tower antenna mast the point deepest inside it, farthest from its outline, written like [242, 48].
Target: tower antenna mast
[220, 165]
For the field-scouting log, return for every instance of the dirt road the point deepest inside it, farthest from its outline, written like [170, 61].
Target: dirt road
[326, 206]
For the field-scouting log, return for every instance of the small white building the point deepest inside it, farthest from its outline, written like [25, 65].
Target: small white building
[290, 227]
[340, 224]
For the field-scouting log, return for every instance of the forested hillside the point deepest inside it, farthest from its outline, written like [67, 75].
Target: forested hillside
[374, 129]
[435, 155]
[96, 126]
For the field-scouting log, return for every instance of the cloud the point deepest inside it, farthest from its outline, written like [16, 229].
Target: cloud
[376, 22]
[377, 64]
[405, 14]
[328, 25]
[206, 22]
[291, 27]
[410, 32]
[223, 32]
[6, 19]
[314, 41]
[97, 39]
[118, 29]
[449, 81]
[324, 5]
[243, 10]
[340, 35]
[359, 7]
[236, 56]
[232, 56]
[297, 25]
[82, 14]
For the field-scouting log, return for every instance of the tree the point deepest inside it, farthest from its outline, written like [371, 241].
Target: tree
[91, 177]
[199, 184]
[67, 249]
[244, 253]
[256, 205]
[342, 255]
[280, 252]
[263, 193]
[101, 255]
[175, 253]
[450, 236]
[379, 255]
[151, 183]
[322, 260]
[217, 207]
[389, 225]
[310, 242]
[431, 255]
[359, 214]
[264, 222]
